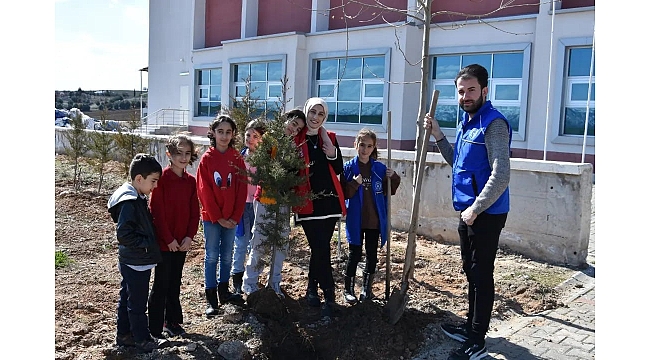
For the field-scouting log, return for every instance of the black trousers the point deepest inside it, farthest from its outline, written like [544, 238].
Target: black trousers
[319, 236]
[478, 248]
[164, 300]
[132, 306]
[354, 256]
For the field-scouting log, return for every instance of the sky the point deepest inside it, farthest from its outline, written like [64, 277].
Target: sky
[101, 44]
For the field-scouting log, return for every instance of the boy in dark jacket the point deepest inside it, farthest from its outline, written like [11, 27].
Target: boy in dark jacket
[138, 251]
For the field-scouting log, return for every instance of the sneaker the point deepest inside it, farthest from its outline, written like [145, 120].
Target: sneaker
[326, 310]
[278, 290]
[469, 351]
[458, 333]
[151, 343]
[173, 329]
[312, 298]
[124, 340]
[249, 289]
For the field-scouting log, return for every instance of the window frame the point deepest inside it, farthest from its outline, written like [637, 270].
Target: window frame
[234, 83]
[563, 91]
[360, 53]
[197, 89]
[525, 48]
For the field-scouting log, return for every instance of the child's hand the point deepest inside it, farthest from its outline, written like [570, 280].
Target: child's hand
[228, 224]
[323, 134]
[358, 179]
[173, 246]
[389, 172]
[186, 244]
[328, 147]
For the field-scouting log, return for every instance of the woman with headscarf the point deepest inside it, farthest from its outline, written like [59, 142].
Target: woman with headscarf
[319, 215]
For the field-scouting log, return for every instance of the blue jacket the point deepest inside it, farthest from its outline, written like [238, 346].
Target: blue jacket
[471, 169]
[355, 204]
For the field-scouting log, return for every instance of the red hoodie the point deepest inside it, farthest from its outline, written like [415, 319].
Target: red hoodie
[222, 185]
[175, 208]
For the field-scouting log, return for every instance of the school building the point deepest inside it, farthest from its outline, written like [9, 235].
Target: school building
[365, 61]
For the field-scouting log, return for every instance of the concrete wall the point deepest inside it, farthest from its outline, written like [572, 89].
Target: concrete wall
[550, 202]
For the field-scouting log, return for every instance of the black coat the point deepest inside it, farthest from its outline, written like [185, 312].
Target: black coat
[136, 234]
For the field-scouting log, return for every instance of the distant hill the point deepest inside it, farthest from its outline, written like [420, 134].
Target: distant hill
[120, 104]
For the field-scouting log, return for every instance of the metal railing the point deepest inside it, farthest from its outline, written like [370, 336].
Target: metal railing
[164, 117]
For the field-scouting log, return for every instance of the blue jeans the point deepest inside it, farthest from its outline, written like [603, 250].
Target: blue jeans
[252, 272]
[132, 306]
[242, 243]
[218, 248]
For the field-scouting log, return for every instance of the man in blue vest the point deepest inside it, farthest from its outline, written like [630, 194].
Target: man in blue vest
[480, 160]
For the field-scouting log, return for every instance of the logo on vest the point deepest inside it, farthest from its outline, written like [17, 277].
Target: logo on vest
[473, 133]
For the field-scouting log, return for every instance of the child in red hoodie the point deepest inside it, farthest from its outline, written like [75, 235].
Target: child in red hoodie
[175, 209]
[222, 189]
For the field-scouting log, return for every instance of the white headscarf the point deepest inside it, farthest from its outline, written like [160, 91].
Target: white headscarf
[310, 104]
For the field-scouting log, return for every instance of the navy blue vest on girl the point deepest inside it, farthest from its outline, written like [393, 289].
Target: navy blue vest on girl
[471, 168]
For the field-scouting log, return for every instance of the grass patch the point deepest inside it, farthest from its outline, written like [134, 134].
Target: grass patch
[61, 259]
[548, 279]
[247, 331]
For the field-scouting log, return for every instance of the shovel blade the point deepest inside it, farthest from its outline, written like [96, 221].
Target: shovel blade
[396, 305]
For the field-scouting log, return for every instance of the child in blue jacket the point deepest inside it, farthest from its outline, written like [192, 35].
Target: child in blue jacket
[364, 181]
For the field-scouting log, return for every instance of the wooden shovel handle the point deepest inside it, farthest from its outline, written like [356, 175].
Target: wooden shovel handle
[415, 210]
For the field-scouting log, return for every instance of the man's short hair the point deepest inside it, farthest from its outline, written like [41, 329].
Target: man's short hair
[475, 71]
[145, 165]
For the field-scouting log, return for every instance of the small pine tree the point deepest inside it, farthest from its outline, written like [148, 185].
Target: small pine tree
[101, 144]
[278, 161]
[77, 145]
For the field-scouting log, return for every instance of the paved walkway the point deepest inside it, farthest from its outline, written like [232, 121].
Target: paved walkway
[564, 333]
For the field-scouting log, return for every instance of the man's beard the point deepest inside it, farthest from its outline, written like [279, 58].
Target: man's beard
[473, 107]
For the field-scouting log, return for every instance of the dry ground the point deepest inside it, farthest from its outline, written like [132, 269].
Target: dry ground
[86, 294]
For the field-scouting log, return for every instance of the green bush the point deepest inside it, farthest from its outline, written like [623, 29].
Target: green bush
[61, 259]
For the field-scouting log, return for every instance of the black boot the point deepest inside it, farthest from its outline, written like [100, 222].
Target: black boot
[225, 296]
[213, 305]
[326, 309]
[237, 282]
[366, 290]
[348, 291]
[312, 293]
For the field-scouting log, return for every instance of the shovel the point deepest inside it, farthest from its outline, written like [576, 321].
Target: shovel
[398, 298]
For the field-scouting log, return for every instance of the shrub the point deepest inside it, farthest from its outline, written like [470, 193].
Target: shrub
[61, 259]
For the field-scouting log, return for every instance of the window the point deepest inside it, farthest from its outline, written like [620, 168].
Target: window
[507, 80]
[353, 87]
[576, 92]
[265, 85]
[209, 92]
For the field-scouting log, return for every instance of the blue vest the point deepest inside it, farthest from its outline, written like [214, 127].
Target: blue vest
[355, 204]
[471, 168]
